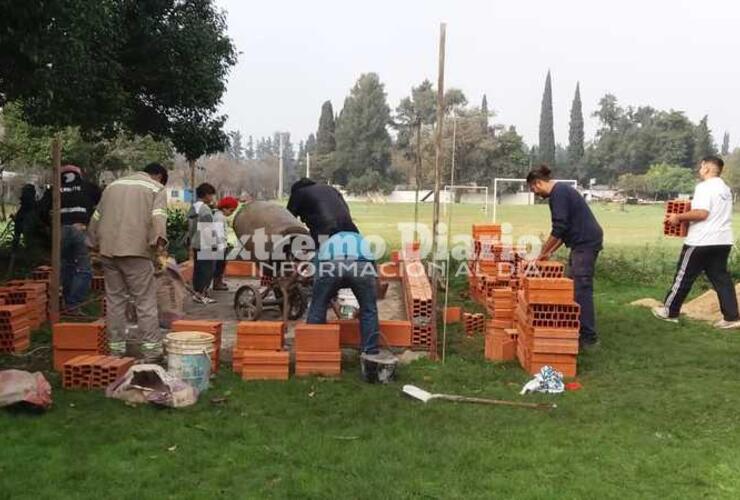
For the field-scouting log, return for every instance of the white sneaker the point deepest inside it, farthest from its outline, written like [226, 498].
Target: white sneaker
[662, 313]
[727, 325]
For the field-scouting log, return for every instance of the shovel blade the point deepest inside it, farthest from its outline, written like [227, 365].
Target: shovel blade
[417, 393]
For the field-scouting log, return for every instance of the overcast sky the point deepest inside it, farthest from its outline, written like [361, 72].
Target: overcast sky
[668, 54]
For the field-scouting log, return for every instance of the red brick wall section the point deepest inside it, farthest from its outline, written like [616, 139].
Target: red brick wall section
[418, 297]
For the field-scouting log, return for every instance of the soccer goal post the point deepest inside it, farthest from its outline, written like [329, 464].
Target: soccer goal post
[522, 182]
[451, 190]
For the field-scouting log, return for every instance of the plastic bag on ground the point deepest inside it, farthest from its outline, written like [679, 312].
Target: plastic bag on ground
[152, 384]
[548, 380]
[18, 386]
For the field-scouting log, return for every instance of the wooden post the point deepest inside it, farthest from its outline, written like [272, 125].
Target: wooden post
[437, 175]
[280, 169]
[418, 179]
[192, 181]
[56, 227]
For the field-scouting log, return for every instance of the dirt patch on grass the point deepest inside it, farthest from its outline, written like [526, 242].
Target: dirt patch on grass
[703, 308]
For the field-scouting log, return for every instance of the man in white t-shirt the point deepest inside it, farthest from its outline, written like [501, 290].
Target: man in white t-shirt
[706, 247]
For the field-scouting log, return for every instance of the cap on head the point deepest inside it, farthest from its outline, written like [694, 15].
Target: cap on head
[228, 202]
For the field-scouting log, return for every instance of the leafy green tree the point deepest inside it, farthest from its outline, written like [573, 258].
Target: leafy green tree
[661, 181]
[609, 113]
[726, 144]
[703, 143]
[484, 112]
[325, 136]
[731, 172]
[363, 142]
[419, 111]
[576, 135]
[633, 184]
[151, 68]
[234, 149]
[630, 140]
[325, 145]
[24, 146]
[547, 130]
[249, 149]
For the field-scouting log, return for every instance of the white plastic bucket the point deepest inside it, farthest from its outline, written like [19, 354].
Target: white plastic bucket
[189, 357]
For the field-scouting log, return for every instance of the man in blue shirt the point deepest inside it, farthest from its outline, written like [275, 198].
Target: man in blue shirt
[574, 225]
[343, 260]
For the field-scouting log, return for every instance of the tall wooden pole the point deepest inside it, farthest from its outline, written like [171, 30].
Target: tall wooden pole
[56, 227]
[437, 176]
[308, 165]
[280, 170]
[192, 181]
[418, 179]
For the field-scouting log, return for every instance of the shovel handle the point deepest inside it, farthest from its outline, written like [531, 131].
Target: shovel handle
[520, 404]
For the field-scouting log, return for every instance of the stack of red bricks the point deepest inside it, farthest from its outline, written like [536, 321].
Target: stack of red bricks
[317, 350]
[547, 323]
[258, 353]
[501, 338]
[71, 340]
[494, 265]
[98, 283]
[41, 273]
[500, 342]
[486, 239]
[31, 293]
[15, 328]
[418, 295]
[473, 323]
[93, 371]
[676, 207]
[212, 327]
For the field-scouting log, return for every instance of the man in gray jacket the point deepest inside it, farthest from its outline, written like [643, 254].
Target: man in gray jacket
[200, 233]
[129, 227]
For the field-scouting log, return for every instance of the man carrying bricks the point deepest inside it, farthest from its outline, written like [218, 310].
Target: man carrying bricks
[706, 247]
[574, 225]
[343, 260]
[129, 228]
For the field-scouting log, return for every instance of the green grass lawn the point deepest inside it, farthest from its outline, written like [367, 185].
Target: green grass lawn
[657, 416]
[634, 226]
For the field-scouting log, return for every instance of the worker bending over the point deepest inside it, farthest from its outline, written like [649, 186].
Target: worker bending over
[574, 225]
[706, 247]
[130, 229]
[343, 259]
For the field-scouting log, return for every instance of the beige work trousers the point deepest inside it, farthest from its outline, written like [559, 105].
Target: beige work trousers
[134, 277]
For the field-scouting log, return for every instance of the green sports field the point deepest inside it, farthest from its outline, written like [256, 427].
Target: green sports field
[656, 418]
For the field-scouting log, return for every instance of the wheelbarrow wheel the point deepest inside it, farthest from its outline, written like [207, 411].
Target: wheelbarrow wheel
[296, 302]
[248, 303]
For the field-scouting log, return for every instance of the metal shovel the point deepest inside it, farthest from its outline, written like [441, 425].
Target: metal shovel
[422, 395]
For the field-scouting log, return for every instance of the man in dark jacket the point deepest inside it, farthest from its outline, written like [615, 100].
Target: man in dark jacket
[79, 198]
[343, 260]
[574, 225]
[321, 207]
